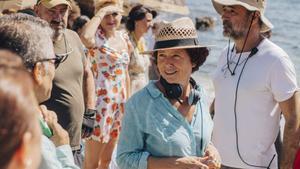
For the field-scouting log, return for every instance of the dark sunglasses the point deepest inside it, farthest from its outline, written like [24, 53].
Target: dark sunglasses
[57, 60]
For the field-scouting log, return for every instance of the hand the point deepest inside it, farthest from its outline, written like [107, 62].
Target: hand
[88, 123]
[48, 115]
[191, 163]
[214, 158]
[105, 10]
[60, 136]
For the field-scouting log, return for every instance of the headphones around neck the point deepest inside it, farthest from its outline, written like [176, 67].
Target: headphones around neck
[174, 91]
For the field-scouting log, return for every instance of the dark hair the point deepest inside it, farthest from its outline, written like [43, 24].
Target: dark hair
[8, 11]
[74, 13]
[138, 12]
[79, 22]
[197, 56]
[27, 11]
[17, 105]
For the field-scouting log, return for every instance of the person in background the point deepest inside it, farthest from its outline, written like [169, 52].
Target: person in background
[138, 24]
[74, 13]
[20, 134]
[109, 56]
[28, 11]
[73, 93]
[79, 22]
[8, 11]
[167, 124]
[254, 82]
[31, 38]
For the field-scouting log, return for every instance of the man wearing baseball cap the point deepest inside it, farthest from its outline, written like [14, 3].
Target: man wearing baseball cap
[254, 82]
[73, 85]
[55, 12]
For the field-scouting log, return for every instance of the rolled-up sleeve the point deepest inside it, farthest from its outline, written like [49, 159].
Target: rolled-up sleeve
[130, 152]
[56, 157]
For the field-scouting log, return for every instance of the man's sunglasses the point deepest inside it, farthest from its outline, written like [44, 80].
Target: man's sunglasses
[57, 61]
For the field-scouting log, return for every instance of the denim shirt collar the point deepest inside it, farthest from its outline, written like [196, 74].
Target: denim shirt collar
[153, 90]
[156, 93]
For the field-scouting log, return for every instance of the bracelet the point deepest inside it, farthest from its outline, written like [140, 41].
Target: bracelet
[90, 112]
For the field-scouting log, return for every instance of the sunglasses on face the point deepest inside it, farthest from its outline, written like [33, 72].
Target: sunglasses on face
[56, 61]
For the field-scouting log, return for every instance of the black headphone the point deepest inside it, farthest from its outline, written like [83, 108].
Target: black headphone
[174, 91]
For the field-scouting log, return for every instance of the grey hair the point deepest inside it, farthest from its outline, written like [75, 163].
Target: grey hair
[28, 36]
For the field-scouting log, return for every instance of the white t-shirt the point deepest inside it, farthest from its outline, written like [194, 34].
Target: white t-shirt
[268, 78]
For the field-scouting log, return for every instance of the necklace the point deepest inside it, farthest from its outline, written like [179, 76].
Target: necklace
[139, 43]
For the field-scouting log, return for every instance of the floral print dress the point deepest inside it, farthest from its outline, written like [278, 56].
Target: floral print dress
[109, 69]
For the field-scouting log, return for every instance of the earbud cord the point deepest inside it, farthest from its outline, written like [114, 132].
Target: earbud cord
[235, 102]
[181, 101]
[236, 65]
[201, 140]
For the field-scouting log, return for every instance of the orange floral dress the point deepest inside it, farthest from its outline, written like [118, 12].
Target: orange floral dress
[109, 69]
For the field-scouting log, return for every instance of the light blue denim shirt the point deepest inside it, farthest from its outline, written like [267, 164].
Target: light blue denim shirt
[152, 126]
[60, 157]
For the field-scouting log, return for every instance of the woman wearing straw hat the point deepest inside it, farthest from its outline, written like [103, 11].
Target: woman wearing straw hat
[109, 55]
[167, 123]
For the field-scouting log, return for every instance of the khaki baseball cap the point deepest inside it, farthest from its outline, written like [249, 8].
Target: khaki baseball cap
[52, 3]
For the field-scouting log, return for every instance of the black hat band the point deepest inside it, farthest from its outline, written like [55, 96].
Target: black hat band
[176, 43]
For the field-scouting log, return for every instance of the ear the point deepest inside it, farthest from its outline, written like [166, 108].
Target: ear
[22, 156]
[193, 65]
[256, 16]
[38, 73]
[36, 10]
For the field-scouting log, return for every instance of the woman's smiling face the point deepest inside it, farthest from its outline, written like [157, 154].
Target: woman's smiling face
[111, 21]
[175, 65]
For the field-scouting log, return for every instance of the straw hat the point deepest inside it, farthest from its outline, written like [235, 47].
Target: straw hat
[178, 34]
[116, 5]
[251, 5]
[52, 3]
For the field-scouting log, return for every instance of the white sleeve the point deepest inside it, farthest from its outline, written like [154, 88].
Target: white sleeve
[283, 80]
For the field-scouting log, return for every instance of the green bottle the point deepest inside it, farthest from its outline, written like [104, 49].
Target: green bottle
[45, 128]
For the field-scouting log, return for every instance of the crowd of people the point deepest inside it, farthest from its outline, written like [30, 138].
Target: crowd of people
[79, 92]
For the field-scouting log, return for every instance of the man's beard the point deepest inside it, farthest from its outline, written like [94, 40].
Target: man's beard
[58, 28]
[228, 31]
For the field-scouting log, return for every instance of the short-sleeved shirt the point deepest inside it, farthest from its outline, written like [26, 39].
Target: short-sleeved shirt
[268, 78]
[152, 126]
[67, 98]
